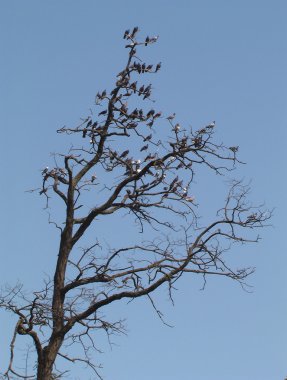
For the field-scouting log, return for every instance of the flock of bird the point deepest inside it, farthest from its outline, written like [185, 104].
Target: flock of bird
[130, 119]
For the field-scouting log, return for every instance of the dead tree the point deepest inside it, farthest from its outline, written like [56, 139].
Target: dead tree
[129, 169]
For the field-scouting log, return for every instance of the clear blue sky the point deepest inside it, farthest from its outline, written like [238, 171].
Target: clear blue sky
[222, 60]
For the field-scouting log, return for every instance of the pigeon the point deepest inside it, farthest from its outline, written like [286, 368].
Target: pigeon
[158, 66]
[145, 147]
[148, 138]
[124, 154]
[127, 32]
[171, 117]
[44, 171]
[135, 30]
[211, 125]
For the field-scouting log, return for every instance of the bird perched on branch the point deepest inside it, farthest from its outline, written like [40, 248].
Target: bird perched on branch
[211, 125]
[45, 170]
[126, 34]
[158, 66]
[148, 138]
[234, 149]
[124, 154]
[145, 147]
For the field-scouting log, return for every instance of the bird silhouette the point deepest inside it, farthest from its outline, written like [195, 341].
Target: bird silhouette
[124, 154]
[145, 147]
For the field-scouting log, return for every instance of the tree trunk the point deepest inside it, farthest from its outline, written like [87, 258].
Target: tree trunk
[44, 372]
[45, 369]
[47, 360]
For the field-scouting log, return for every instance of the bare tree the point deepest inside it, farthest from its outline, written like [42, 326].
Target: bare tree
[124, 167]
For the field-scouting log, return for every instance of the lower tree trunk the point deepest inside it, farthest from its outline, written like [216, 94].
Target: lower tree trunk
[47, 360]
[45, 370]
[44, 373]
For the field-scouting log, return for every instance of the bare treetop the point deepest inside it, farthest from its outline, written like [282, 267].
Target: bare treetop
[127, 166]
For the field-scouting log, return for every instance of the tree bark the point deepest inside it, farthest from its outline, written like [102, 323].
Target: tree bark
[45, 369]
[47, 359]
